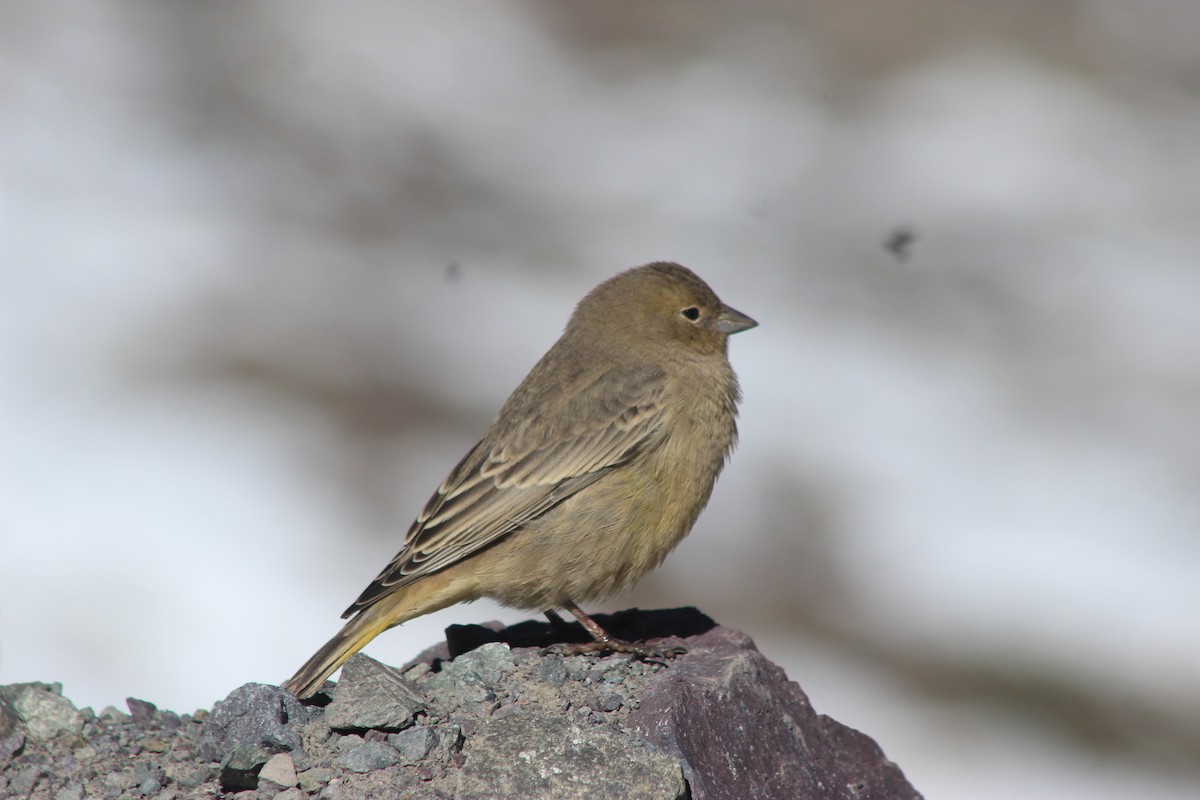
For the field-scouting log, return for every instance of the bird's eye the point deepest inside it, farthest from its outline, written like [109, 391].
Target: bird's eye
[691, 313]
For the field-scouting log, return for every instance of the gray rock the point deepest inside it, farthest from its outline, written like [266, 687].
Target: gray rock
[142, 711]
[369, 756]
[489, 663]
[450, 739]
[23, 782]
[42, 711]
[721, 717]
[255, 714]
[313, 779]
[142, 772]
[347, 741]
[189, 776]
[612, 702]
[414, 744]
[577, 668]
[554, 671]
[169, 720]
[111, 714]
[372, 695]
[508, 710]
[118, 781]
[470, 689]
[535, 757]
[239, 769]
[12, 744]
[725, 704]
[72, 792]
[9, 719]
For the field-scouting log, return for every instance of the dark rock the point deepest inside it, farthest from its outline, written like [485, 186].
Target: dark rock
[258, 715]
[143, 712]
[612, 702]
[554, 671]
[372, 695]
[725, 705]
[548, 757]
[169, 720]
[464, 638]
[239, 769]
[9, 719]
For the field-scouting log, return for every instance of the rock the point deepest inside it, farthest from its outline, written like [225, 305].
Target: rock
[142, 712]
[504, 719]
[279, 770]
[9, 719]
[369, 756]
[313, 779]
[190, 776]
[554, 671]
[23, 782]
[11, 745]
[239, 769]
[144, 774]
[414, 744]
[489, 663]
[371, 695]
[548, 757]
[72, 792]
[743, 729]
[612, 702]
[257, 715]
[41, 711]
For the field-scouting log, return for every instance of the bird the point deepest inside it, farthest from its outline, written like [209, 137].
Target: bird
[594, 469]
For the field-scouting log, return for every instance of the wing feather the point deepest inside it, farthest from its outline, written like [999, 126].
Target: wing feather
[506, 481]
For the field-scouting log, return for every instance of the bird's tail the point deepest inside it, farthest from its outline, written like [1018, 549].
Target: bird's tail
[423, 597]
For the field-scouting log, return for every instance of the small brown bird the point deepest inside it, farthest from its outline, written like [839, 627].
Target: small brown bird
[595, 468]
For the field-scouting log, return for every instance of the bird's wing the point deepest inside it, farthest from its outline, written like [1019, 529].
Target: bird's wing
[503, 483]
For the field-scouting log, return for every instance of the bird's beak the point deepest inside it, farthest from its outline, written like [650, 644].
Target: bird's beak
[731, 321]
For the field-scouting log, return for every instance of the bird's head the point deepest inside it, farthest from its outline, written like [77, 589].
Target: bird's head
[660, 304]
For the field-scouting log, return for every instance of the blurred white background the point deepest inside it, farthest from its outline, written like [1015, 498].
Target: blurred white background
[269, 269]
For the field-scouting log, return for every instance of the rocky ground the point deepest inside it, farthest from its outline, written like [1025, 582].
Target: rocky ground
[489, 714]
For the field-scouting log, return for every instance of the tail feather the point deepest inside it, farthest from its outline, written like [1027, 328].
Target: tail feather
[348, 641]
[430, 594]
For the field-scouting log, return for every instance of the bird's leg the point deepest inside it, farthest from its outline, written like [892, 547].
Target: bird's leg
[604, 642]
[556, 621]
